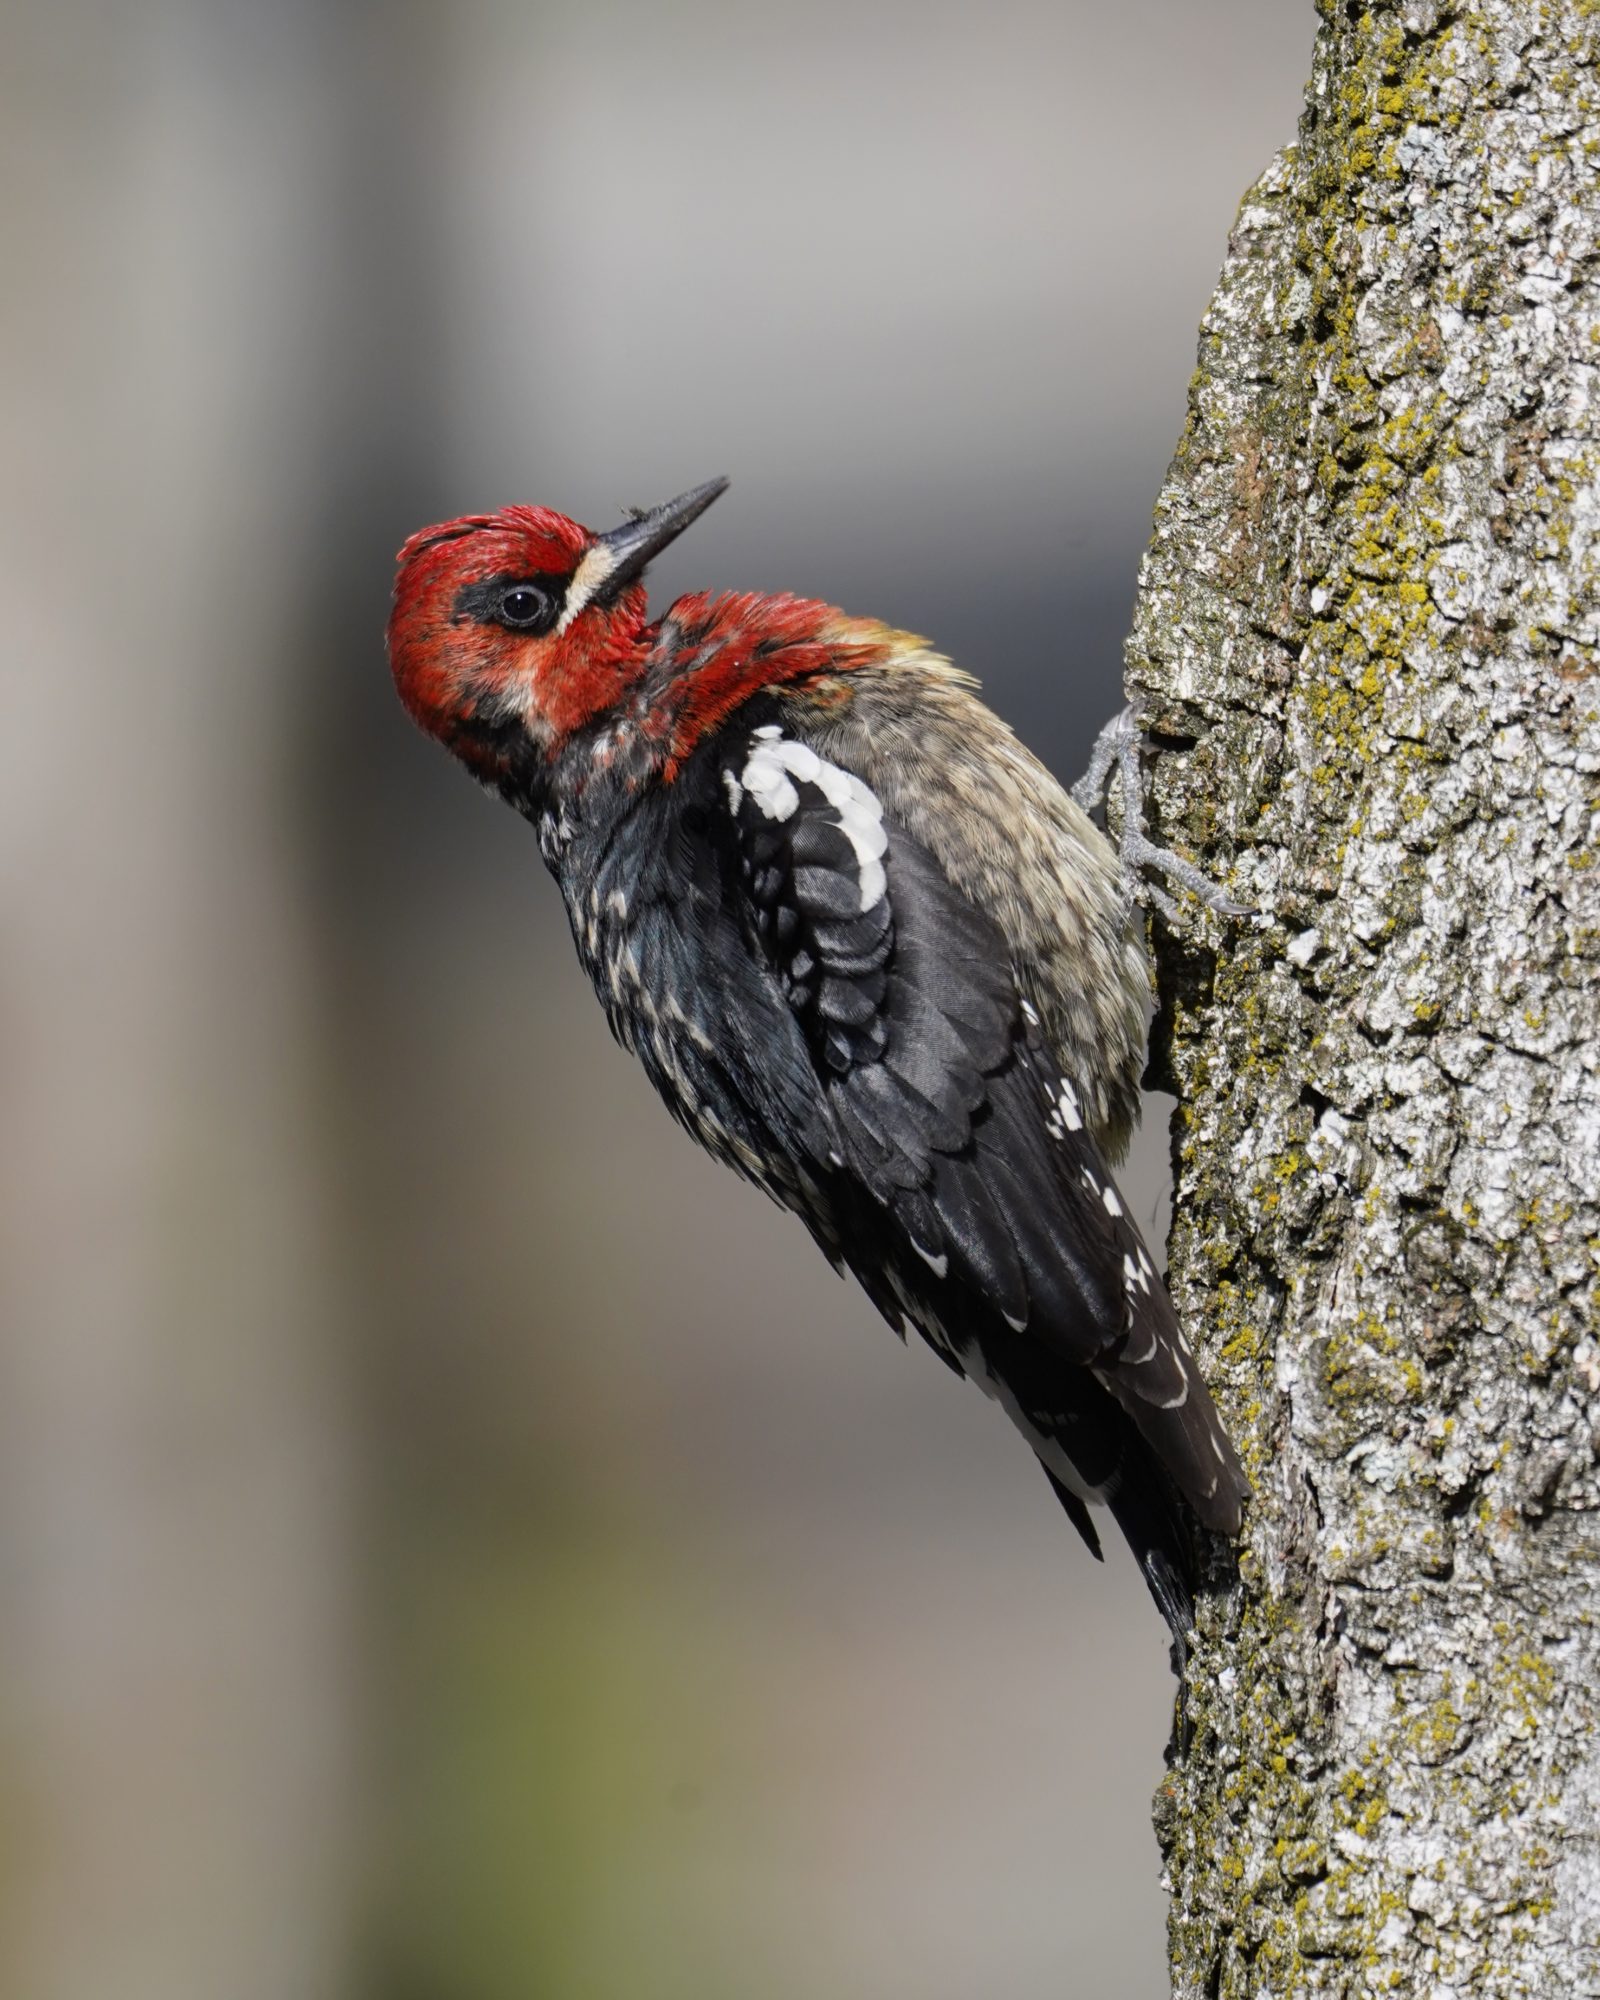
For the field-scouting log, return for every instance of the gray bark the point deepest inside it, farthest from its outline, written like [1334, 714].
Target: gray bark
[1366, 642]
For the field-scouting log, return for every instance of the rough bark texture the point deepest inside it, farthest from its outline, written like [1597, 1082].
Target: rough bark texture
[1366, 641]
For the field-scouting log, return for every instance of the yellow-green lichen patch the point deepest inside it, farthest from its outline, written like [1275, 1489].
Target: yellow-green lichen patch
[1378, 587]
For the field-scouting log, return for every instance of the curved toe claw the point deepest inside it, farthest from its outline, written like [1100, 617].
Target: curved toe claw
[1116, 749]
[1142, 853]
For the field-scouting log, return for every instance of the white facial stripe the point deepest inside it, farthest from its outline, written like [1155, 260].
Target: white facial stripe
[775, 760]
[587, 578]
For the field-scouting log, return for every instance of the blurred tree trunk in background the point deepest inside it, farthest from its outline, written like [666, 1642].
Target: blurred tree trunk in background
[176, 1734]
[1366, 645]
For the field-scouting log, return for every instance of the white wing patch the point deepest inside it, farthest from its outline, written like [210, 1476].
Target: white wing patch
[768, 784]
[1063, 1112]
[939, 1265]
[774, 765]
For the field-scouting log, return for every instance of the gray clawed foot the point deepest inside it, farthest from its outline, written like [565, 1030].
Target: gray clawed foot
[1116, 748]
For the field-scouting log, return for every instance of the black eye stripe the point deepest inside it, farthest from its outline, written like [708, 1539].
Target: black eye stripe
[495, 601]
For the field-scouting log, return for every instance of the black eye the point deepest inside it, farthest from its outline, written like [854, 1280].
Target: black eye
[523, 606]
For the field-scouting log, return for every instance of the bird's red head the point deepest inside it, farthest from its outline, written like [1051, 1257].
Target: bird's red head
[521, 626]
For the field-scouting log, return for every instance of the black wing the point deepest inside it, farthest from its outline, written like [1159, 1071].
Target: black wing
[981, 1209]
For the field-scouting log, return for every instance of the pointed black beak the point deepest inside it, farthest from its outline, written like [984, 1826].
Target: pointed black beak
[640, 540]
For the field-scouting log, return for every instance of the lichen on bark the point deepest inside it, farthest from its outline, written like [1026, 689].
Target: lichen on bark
[1367, 645]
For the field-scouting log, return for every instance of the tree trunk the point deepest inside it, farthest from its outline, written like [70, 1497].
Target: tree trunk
[1366, 647]
[178, 1464]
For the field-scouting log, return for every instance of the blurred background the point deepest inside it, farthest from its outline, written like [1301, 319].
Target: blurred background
[455, 1543]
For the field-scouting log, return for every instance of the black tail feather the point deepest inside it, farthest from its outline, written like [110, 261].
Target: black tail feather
[1069, 1414]
[1078, 1514]
[1158, 1527]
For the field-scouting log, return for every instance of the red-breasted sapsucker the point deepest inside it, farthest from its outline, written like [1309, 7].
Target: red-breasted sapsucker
[870, 953]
